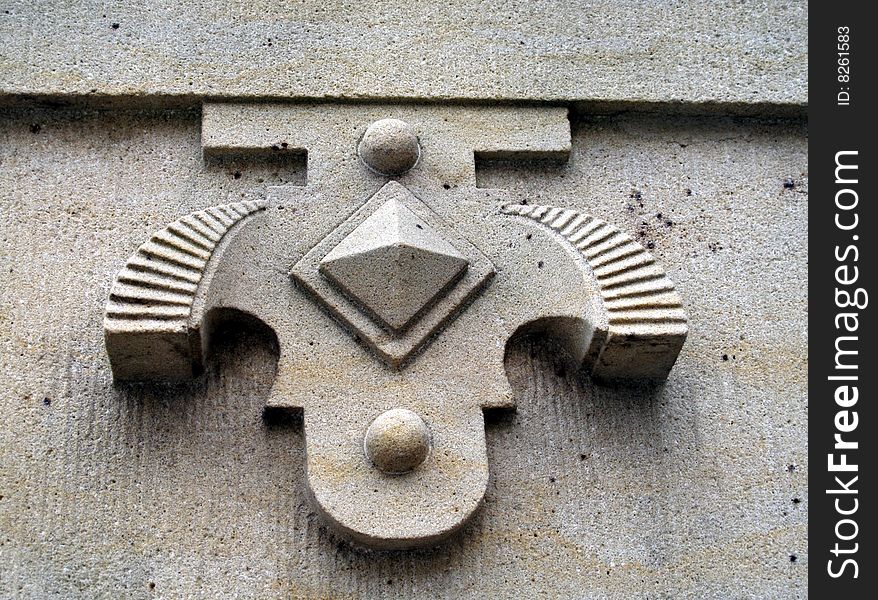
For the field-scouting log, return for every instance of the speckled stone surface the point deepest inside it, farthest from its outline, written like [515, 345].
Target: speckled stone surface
[695, 488]
[738, 55]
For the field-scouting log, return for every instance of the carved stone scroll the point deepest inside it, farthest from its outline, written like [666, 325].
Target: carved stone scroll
[147, 323]
[646, 321]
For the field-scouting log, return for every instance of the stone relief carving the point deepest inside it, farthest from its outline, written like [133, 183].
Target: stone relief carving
[393, 284]
[394, 272]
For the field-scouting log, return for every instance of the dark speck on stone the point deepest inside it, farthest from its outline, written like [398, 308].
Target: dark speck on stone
[725, 357]
[688, 192]
[36, 128]
[650, 244]
[237, 174]
[540, 265]
[793, 558]
[552, 479]
[446, 186]
[789, 183]
[47, 401]
[115, 26]
[796, 501]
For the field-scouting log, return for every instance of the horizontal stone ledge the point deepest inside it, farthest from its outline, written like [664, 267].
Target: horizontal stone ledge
[596, 107]
[691, 52]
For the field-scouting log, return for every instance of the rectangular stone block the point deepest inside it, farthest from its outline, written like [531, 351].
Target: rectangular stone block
[744, 56]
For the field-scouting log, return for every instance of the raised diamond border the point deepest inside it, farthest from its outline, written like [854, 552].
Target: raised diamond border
[394, 349]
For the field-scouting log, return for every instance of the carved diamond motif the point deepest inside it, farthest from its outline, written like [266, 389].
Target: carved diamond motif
[394, 272]
[394, 264]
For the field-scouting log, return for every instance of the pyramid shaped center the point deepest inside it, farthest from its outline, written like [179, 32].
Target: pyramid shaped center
[394, 265]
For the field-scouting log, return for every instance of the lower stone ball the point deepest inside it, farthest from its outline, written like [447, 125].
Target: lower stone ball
[397, 441]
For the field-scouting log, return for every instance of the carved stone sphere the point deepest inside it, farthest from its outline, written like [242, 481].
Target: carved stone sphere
[389, 147]
[397, 441]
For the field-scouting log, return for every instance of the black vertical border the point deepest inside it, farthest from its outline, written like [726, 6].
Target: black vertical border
[834, 128]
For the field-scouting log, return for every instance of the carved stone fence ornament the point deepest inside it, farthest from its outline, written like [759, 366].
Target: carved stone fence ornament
[393, 284]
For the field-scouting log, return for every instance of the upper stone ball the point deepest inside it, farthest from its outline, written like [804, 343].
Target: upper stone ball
[389, 147]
